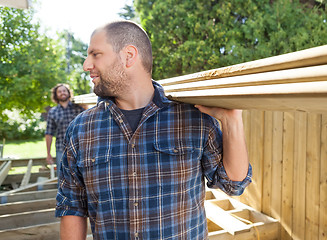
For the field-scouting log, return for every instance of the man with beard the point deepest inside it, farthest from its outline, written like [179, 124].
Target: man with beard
[136, 163]
[58, 120]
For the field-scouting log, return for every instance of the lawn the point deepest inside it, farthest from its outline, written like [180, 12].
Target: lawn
[27, 148]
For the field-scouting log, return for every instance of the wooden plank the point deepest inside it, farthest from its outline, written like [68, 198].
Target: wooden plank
[277, 159]
[304, 58]
[307, 97]
[43, 185]
[323, 181]
[22, 162]
[27, 196]
[46, 231]
[17, 220]
[300, 141]
[267, 163]
[27, 174]
[17, 178]
[247, 131]
[291, 76]
[313, 176]
[256, 157]
[224, 219]
[27, 206]
[4, 170]
[287, 173]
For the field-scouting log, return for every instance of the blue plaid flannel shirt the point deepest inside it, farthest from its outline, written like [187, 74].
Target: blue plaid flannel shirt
[146, 185]
[58, 120]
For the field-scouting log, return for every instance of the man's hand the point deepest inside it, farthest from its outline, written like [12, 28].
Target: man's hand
[235, 158]
[49, 159]
[222, 114]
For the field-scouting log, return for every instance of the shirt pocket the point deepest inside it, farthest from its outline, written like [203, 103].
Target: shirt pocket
[177, 164]
[95, 176]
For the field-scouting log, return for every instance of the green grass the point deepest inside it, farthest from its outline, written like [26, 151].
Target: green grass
[27, 148]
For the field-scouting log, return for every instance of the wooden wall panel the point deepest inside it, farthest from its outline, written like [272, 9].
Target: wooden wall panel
[292, 168]
[287, 176]
[323, 181]
[299, 186]
[313, 176]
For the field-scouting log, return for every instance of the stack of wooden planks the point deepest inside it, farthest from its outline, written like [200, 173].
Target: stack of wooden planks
[290, 82]
[294, 81]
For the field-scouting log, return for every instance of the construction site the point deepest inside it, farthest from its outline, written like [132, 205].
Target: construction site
[285, 119]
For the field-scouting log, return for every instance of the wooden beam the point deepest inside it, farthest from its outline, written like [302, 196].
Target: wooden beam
[17, 220]
[41, 231]
[308, 57]
[299, 75]
[27, 206]
[44, 185]
[305, 97]
[22, 162]
[17, 178]
[4, 169]
[27, 174]
[27, 196]
[224, 219]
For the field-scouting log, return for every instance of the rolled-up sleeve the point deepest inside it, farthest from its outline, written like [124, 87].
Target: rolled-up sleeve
[71, 197]
[214, 170]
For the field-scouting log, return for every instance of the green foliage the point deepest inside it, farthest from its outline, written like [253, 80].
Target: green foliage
[197, 35]
[128, 12]
[75, 56]
[21, 127]
[30, 63]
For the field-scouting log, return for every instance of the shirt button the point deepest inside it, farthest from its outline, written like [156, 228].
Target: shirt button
[175, 150]
[93, 160]
[136, 204]
[134, 174]
[121, 121]
[133, 145]
[136, 235]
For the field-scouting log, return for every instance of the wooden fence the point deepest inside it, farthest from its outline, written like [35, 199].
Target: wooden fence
[288, 151]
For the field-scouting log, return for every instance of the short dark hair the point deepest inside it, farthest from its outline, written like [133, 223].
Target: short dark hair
[122, 33]
[54, 96]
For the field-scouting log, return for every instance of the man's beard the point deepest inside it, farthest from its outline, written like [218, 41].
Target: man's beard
[111, 83]
[64, 99]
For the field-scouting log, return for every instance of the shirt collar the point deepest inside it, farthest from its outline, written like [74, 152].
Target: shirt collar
[69, 104]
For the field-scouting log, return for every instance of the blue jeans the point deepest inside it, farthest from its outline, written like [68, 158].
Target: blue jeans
[58, 159]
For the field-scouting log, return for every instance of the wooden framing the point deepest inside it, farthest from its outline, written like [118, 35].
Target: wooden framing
[4, 169]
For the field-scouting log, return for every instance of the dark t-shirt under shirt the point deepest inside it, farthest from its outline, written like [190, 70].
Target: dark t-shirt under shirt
[133, 117]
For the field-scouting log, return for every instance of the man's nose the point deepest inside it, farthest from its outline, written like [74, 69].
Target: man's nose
[87, 65]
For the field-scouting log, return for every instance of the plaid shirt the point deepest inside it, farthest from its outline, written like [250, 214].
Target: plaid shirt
[146, 185]
[58, 120]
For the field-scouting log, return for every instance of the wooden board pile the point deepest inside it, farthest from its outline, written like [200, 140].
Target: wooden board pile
[294, 81]
[230, 219]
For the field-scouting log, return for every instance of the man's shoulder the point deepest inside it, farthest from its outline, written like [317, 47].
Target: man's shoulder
[53, 110]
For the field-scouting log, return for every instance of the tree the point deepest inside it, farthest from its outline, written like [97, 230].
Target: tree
[192, 36]
[31, 63]
[75, 56]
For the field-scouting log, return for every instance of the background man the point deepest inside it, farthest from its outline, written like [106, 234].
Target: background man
[58, 119]
[135, 163]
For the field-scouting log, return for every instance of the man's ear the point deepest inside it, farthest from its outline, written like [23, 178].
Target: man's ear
[131, 55]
